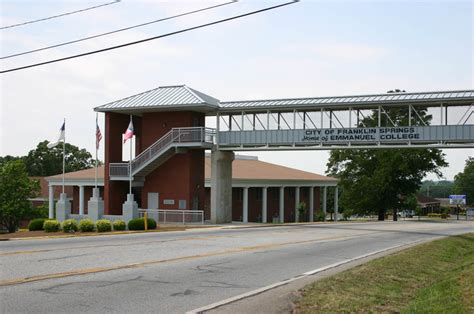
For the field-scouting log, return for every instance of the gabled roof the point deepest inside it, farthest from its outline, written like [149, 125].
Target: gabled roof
[254, 169]
[86, 174]
[243, 168]
[163, 98]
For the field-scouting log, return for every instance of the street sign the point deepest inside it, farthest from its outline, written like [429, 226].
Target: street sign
[457, 199]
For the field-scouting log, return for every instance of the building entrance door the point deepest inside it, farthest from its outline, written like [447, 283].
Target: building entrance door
[153, 200]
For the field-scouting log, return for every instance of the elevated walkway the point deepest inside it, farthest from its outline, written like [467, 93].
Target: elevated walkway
[178, 140]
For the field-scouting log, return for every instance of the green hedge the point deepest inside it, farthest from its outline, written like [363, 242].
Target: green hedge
[119, 225]
[86, 225]
[436, 215]
[70, 225]
[36, 224]
[51, 225]
[139, 224]
[103, 225]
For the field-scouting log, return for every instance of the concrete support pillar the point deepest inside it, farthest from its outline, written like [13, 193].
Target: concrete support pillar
[264, 204]
[81, 200]
[63, 207]
[51, 202]
[282, 204]
[311, 203]
[95, 206]
[245, 204]
[221, 186]
[297, 202]
[325, 193]
[130, 208]
[336, 202]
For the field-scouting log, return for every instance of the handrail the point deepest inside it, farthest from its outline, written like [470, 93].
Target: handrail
[175, 135]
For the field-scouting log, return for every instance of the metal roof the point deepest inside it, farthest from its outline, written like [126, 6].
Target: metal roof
[163, 98]
[182, 97]
[463, 96]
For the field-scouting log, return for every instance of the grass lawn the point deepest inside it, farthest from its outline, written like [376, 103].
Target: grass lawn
[435, 277]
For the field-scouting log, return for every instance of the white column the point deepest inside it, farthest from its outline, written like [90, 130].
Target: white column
[325, 193]
[311, 203]
[245, 204]
[81, 200]
[297, 202]
[282, 204]
[336, 202]
[264, 204]
[51, 202]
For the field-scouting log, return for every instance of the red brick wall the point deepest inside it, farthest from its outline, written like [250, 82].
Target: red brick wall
[115, 192]
[182, 176]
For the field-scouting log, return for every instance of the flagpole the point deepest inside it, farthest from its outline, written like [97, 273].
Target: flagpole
[130, 161]
[64, 152]
[96, 147]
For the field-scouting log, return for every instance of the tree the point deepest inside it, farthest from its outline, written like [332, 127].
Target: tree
[375, 180]
[44, 161]
[437, 189]
[8, 158]
[15, 191]
[464, 181]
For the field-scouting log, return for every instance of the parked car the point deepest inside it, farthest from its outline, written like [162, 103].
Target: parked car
[406, 213]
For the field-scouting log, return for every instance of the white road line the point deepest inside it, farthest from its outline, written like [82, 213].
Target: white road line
[287, 281]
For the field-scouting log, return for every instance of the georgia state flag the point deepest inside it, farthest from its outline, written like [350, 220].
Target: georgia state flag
[129, 132]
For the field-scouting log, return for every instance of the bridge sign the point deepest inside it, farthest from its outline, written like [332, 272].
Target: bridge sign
[457, 199]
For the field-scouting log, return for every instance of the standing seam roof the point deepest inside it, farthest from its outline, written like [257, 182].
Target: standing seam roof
[165, 96]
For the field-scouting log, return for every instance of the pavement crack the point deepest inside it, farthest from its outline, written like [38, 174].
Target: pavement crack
[184, 293]
[221, 284]
[58, 258]
[212, 268]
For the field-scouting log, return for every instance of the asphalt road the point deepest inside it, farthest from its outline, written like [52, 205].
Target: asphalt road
[177, 272]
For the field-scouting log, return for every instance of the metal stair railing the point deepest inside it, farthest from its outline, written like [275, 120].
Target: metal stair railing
[176, 135]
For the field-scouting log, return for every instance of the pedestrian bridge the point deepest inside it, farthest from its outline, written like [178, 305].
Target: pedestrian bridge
[171, 120]
[398, 120]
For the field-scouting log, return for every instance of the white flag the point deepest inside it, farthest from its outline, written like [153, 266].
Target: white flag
[62, 136]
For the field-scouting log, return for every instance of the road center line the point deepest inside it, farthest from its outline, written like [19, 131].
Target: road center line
[86, 271]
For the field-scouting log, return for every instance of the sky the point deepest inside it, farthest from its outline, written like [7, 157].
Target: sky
[307, 49]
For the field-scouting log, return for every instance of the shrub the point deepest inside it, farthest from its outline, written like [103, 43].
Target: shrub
[103, 225]
[319, 216]
[119, 225]
[70, 225]
[436, 215]
[139, 224]
[36, 224]
[51, 225]
[86, 225]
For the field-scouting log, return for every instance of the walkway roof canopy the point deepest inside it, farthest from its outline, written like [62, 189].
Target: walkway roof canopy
[182, 97]
[461, 97]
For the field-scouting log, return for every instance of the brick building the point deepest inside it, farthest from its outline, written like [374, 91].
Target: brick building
[250, 176]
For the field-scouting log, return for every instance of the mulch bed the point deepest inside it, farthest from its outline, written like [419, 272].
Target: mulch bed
[36, 234]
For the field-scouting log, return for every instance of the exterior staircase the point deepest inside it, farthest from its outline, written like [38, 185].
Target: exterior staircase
[175, 141]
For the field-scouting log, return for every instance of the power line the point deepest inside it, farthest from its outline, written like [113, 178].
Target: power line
[59, 15]
[151, 38]
[117, 31]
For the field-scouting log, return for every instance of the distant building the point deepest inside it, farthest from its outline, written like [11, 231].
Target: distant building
[249, 176]
[428, 204]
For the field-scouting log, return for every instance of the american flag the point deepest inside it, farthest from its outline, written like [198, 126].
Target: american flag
[98, 135]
